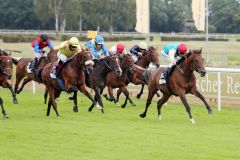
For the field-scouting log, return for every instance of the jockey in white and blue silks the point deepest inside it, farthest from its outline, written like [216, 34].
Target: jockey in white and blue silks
[172, 53]
[96, 45]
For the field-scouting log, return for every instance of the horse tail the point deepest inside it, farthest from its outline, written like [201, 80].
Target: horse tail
[15, 60]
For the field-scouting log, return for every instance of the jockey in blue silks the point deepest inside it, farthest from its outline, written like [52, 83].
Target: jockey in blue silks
[172, 53]
[96, 45]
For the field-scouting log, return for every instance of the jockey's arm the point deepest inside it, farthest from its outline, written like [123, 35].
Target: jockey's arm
[171, 55]
[105, 51]
[94, 53]
[50, 45]
[36, 47]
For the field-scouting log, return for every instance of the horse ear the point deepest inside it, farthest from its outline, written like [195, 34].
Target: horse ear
[200, 50]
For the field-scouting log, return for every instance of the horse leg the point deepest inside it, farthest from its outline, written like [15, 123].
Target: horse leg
[91, 107]
[45, 96]
[25, 81]
[149, 100]
[158, 94]
[160, 103]
[3, 110]
[111, 97]
[86, 93]
[119, 91]
[186, 105]
[18, 80]
[126, 93]
[100, 99]
[52, 101]
[74, 98]
[74, 95]
[141, 92]
[199, 95]
[15, 101]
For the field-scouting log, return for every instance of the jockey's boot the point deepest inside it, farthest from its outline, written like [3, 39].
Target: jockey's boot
[32, 66]
[55, 71]
[165, 75]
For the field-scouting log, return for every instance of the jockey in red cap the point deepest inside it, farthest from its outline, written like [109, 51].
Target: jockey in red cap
[172, 53]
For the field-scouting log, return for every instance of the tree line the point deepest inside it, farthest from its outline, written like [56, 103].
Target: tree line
[114, 15]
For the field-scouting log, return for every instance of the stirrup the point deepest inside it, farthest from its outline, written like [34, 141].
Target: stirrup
[162, 79]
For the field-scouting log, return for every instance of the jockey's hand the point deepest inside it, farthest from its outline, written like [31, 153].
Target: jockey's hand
[140, 54]
[174, 63]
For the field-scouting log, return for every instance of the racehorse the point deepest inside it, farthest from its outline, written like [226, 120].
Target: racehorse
[97, 78]
[113, 81]
[72, 77]
[5, 79]
[181, 82]
[21, 69]
[151, 56]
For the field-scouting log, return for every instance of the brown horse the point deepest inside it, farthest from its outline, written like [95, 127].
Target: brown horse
[113, 81]
[181, 82]
[5, 79]
[151, 56]
[72, 76]
[21, 69]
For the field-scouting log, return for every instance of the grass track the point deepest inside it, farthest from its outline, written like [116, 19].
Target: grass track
[117, 134]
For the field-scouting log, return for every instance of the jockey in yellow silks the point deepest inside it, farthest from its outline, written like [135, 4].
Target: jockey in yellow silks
[66, 50]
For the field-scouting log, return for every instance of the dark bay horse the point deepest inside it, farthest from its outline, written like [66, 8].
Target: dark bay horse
[72, 76]
[179, 83]
[97, 79]
[5, 79]
[151, 56]
[114, 81]
[21, 69]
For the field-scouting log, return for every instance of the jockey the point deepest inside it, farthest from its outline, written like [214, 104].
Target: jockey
[172, 53]
[66, 50]
[39, 44]
[95, 45]
[137, 51]
[118, 50]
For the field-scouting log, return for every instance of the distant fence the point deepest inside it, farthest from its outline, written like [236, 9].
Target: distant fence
[53, 32]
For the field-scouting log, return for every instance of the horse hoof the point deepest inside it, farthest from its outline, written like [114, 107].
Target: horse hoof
[5, 116]
[75, 109]
[142, 115]
[102, 111]
[138, 96]
[123, 106]
[71, 98]
[90, 109]
[210, 112]
[133, 104]
[193, 121]
[15, 101]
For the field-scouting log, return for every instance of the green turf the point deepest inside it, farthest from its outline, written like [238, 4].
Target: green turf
[116, 134]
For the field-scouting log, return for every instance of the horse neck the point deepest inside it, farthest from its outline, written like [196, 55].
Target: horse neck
[102, 69]
[143, 62]
[184, 66]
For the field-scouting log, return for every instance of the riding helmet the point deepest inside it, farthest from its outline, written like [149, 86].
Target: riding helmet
[143, 45]
[99, 39]
[44, 37]
[74, 41]
[182, 48]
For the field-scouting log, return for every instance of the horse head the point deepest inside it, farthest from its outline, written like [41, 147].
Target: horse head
[112, 63]
[151, 56]
[6, 65]
[84, 59]
[127, 62]
[196, 61]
